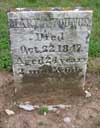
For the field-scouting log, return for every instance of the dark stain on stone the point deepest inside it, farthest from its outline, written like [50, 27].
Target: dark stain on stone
[49, 81]
[49, 15]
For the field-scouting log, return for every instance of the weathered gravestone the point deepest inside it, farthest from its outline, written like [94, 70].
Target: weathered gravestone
[50, 45]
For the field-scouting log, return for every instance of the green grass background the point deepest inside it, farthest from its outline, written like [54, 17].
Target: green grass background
[5, 58]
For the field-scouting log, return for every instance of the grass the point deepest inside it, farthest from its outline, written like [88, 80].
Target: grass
[43, 110]
[5, 58]
[94, 49]
[98, 122]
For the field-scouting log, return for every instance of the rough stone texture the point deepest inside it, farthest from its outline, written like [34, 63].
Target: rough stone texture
[50, 45]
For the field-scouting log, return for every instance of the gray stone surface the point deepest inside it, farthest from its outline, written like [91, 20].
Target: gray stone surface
[50, 44]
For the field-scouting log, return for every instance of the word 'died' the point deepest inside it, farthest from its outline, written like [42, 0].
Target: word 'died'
[50, 36]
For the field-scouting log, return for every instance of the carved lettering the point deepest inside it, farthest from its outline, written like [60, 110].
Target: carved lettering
[52, 70]
[52, 23]
[50, 43]
[48, 60]
[49, 36]
[51, 48]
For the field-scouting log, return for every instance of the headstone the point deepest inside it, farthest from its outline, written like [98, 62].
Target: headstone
[51, 45]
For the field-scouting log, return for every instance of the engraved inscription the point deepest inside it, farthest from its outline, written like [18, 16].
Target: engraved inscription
[49, 43]
[51, 48]
[50, 23]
